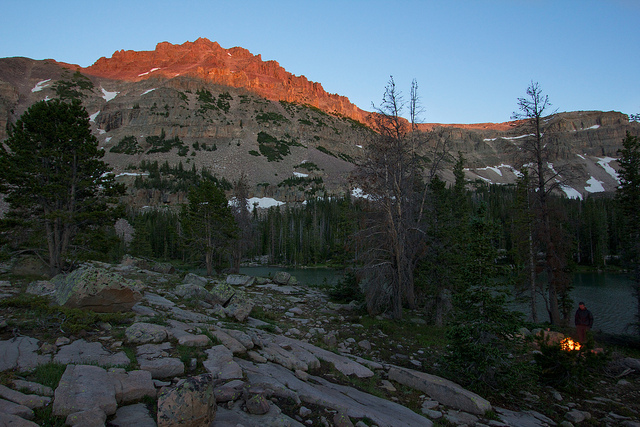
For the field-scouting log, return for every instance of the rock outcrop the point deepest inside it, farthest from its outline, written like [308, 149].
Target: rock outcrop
[93, 288]
[251, 373]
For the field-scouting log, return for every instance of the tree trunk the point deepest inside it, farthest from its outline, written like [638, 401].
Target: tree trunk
[532, 278]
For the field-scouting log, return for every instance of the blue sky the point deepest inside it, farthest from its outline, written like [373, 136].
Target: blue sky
[472, 59]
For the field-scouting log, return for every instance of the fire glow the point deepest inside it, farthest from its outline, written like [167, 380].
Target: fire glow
[568, 344]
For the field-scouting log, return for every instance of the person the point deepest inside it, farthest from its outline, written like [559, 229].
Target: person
[584, 321]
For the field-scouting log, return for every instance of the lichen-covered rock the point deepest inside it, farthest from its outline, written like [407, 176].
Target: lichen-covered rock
[282, 278]
[236, 303]
[142, 333]
[240, 280]
[96, 289]
[190, 403]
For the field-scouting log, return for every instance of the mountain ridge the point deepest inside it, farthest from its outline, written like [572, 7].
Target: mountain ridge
[272, 126]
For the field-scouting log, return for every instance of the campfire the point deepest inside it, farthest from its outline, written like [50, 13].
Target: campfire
[568, 344]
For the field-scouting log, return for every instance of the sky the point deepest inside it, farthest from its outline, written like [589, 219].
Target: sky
[471, 59]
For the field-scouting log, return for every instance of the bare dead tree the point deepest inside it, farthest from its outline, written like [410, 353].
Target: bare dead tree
[392, 177]
[537, 153]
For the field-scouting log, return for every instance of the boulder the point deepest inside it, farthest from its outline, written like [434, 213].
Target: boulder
[20, 353]
[190, 403]
[257, 405]
[240, 280]
[237, 417]
[82, 388]
[194, 279]
[11, 408]
[281, 278]
[142, 333]
[228, 391]
[31, 401]
[444, 391]
[15, 421]
[164, 367]
[190, 340]
[30, 265]
[195, 292]
[83, 352]
[96, 289]
[221, 365]
[133, 385]
[239, 310]
[41, 288]
[35, 388]
[90, 418]
[133, 415]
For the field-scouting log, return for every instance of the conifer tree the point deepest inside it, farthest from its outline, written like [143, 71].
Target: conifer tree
[628, 196]
[52, 173]
[207, 222]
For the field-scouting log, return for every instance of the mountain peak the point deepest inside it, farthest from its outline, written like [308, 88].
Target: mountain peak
[235, 67]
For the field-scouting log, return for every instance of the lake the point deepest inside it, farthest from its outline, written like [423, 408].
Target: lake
[608, 296]
[306, 276]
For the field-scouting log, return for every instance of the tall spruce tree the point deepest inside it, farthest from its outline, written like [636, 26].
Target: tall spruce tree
[207, 222]
[51, 172]
[628, 196]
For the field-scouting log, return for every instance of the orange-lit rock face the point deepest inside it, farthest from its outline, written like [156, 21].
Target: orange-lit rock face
[236, 67]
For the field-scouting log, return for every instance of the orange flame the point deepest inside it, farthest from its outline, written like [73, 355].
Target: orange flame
[568, 344]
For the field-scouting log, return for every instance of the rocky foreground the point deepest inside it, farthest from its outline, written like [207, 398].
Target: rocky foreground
[194, 353]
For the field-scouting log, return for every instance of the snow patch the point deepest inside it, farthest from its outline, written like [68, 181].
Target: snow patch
[300, 175]
[357, 192]
[132, 174]
[147, 91]
[581, 156]
[264, 202]
[92, 118]
[148, 72]
[107, 139]
[108, 96]
[594, 186]
[509, 137]
[571, 192]
[359, 146]
[498, 169]
[604, 162]
[40, 85]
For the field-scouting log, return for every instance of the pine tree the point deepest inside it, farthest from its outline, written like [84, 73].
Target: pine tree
[51, 172]
[628, 196]
[207, 222]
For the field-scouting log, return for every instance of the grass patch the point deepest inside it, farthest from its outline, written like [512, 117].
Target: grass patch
[35, 312]
[48, 374]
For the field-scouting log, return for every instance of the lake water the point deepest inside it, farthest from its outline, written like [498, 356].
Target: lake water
[608, 296]
[305, 276]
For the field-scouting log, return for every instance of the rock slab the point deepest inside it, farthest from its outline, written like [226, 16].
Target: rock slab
[190, 403]
[82, 388]
[444, 391]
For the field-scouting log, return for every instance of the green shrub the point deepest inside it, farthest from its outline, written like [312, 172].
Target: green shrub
[274, 149]
[346, 290]
[271, 117]
[569, 370]
[127, 145]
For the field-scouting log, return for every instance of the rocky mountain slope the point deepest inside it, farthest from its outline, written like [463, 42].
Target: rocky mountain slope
[230, 112]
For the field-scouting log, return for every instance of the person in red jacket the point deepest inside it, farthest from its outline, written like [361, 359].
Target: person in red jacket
[584, 321]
